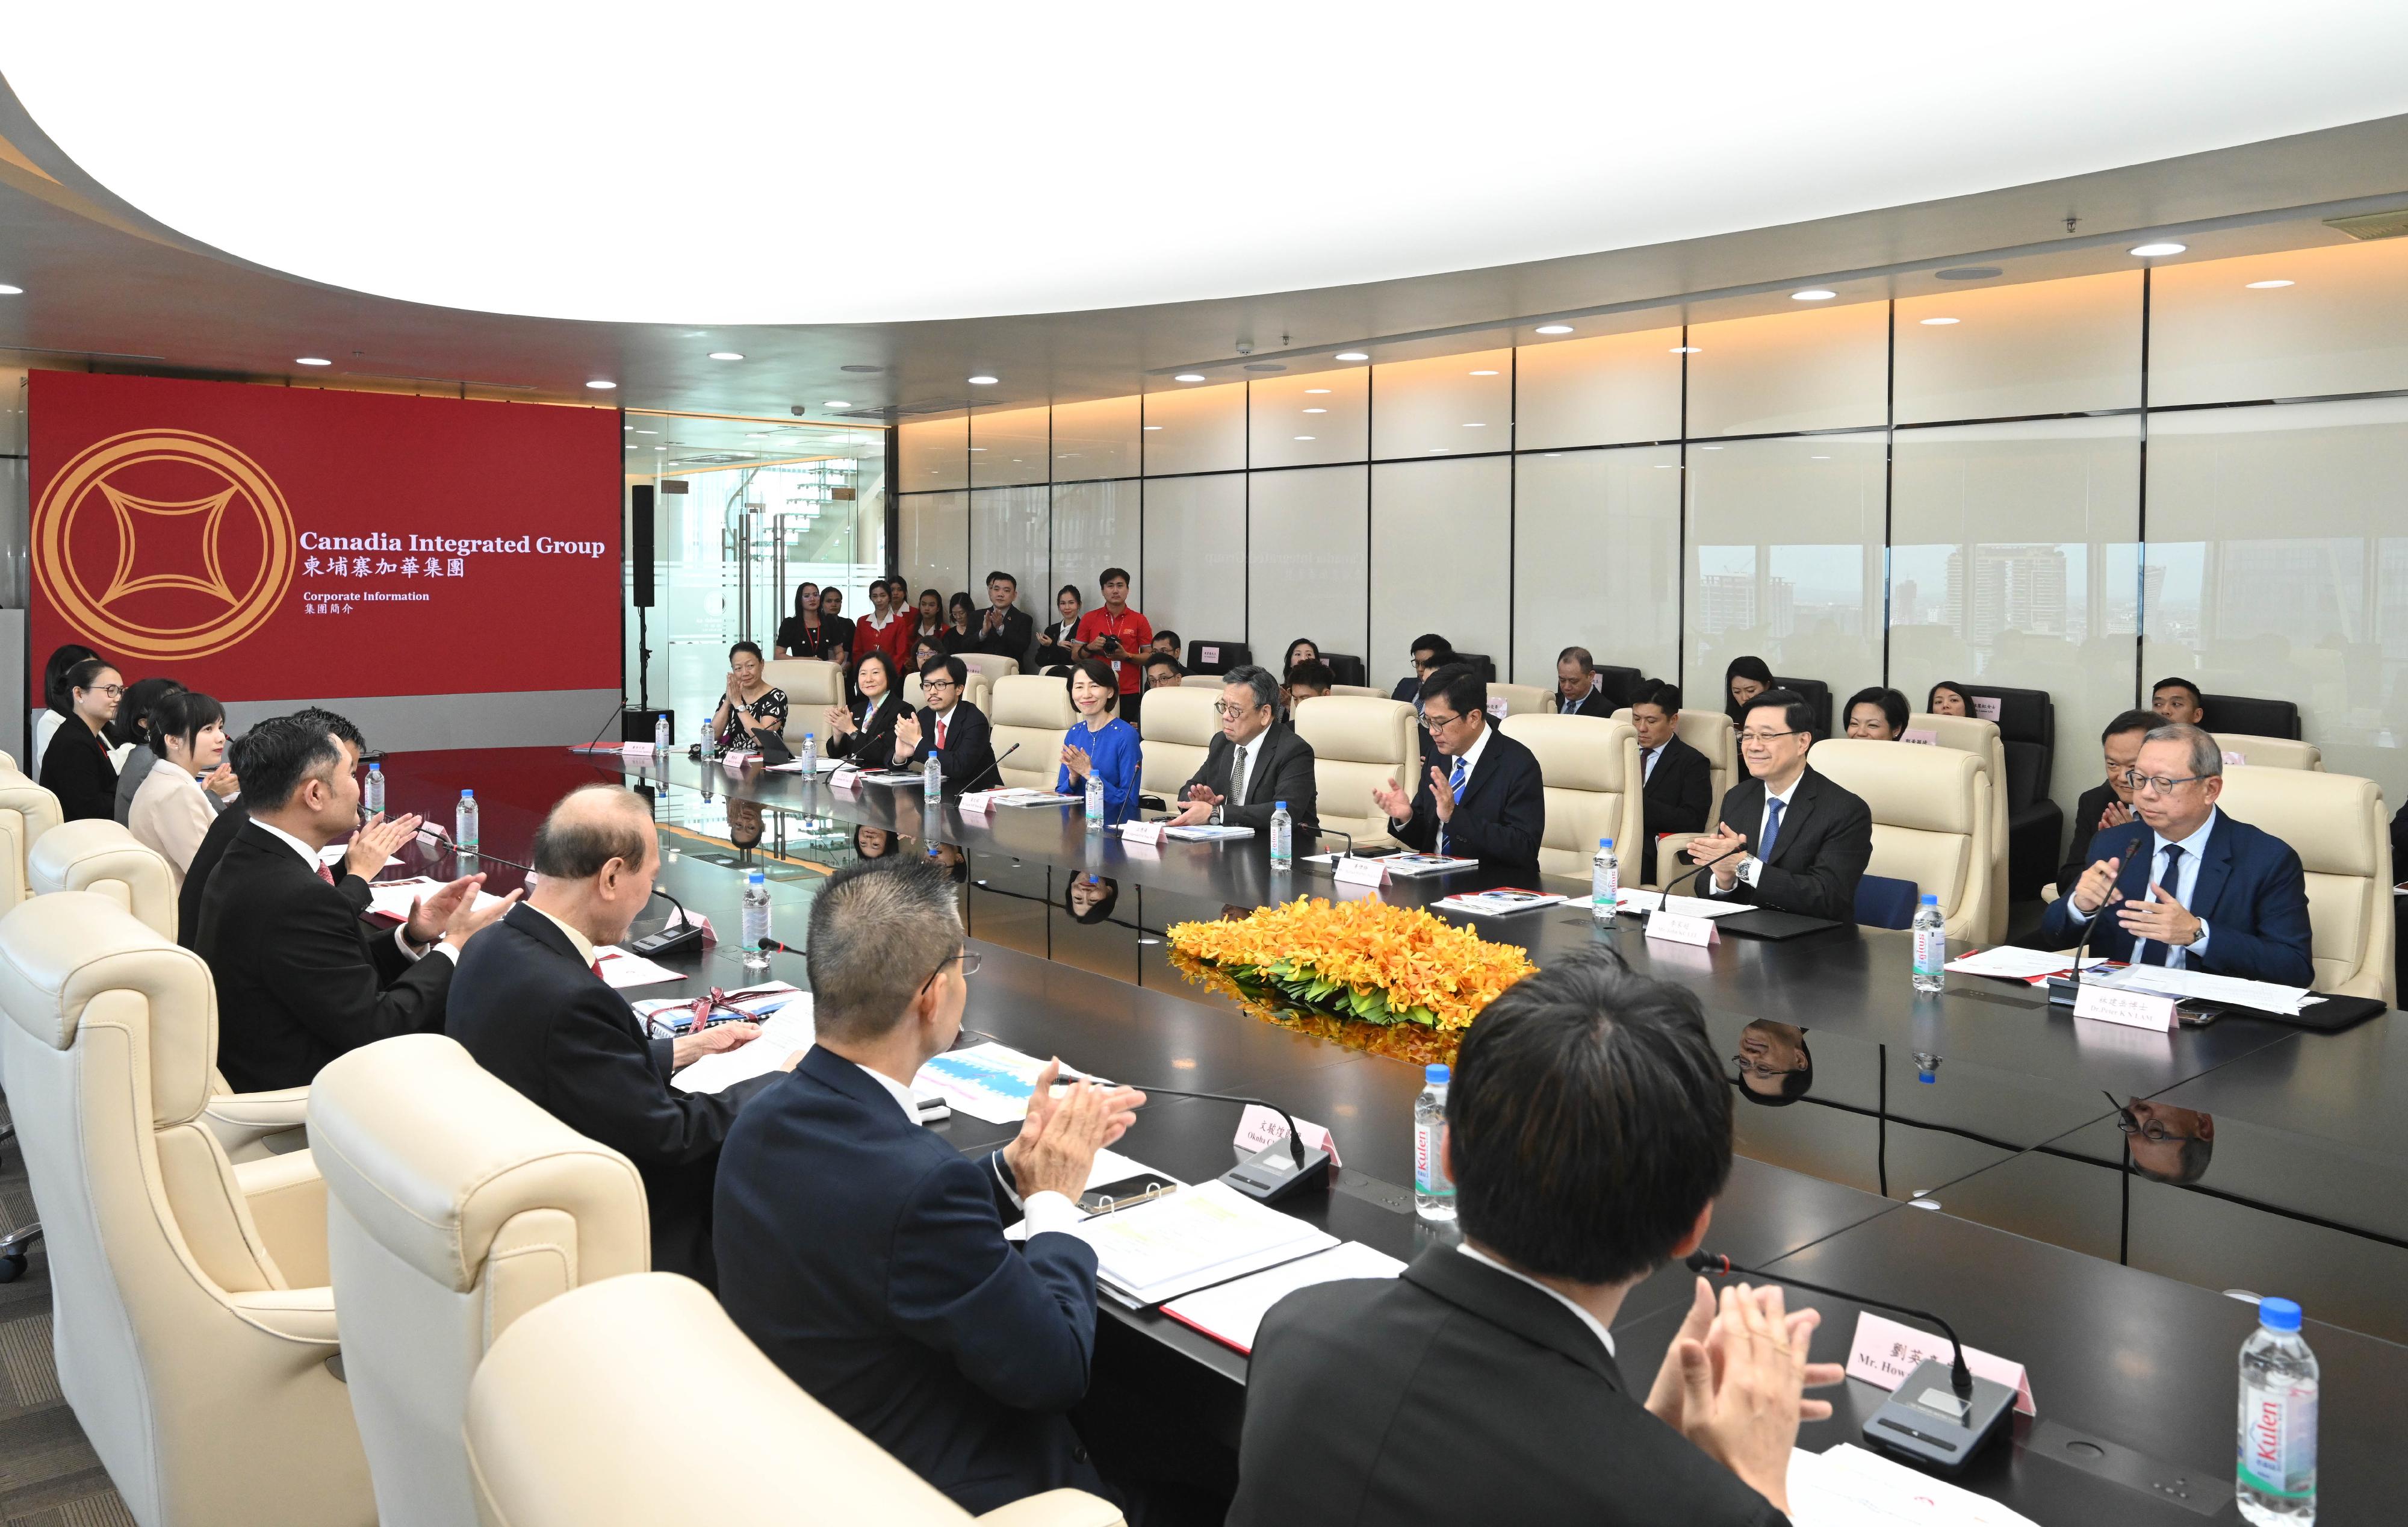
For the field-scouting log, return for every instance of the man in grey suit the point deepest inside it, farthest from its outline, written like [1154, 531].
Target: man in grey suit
[1257, 762]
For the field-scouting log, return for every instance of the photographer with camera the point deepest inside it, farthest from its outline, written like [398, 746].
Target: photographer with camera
[1118, 635]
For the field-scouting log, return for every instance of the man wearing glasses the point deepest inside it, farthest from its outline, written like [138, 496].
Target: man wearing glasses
[2187, 886]
[865, 1256]
[1802, 839]
[1484, 798]
[956, 733]
[1256, 761]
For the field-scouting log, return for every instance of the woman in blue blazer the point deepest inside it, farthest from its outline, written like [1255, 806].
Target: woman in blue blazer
[1101, 743]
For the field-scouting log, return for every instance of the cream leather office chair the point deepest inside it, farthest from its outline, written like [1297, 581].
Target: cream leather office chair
[1361, 691]
[1970, 734]
[1359, 741]
[976, 691]
[553, 1410]
[1709, 733]
[2269, 752]
[995, 668]
[26, 812]
[1588, 765]
[107, 860]
[193, 1323]
[1034, 712]
[1175, 731]
[2338, 826]
[1525, 700]
[1931, 821]
[454, 1206]
[811, 686]
[1200, 681]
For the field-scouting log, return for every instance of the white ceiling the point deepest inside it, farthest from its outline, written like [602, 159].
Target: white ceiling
[1026, 160]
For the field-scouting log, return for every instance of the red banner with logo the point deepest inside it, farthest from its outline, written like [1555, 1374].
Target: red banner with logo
[279, 542]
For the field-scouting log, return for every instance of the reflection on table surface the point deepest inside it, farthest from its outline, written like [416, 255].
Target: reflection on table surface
[2248, 1155]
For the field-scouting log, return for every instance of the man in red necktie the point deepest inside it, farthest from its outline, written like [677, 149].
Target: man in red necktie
[955, 732]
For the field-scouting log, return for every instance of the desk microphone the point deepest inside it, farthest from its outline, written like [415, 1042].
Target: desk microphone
[2064, 990]
[1920, 1419]
[684, 935]
[993, 764]
[1272, 1173]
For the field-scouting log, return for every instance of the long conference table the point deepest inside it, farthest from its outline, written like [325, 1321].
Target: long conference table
[1959, 1153]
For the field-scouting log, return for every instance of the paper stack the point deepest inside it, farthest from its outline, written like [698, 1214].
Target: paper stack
[1232, 1312]
[1190, 1240]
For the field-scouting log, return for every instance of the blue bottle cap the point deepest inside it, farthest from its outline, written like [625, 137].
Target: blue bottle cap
[1281, 805]
[1930, 899]
[754, 875]
[375, 768]
[1605, 843]
[467, 795]
[2278, 1314]
[1435, 1076]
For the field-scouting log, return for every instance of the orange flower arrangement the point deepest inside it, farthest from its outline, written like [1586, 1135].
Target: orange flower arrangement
[1361, 960]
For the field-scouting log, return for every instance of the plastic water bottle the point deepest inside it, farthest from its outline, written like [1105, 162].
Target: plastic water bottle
[464, 823]
[1095, 801]
[1931, 946]
[1282, 837]
[810, 756]
[756, 921]
[372, 794]
[1433, 1190]
[661, 735]
[1605, 883]
[2274, 1478]
[707, 740]
[933, 777]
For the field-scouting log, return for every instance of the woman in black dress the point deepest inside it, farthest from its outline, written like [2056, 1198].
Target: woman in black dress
[1054, 648]
[75, 767]
[839, 629]
[864, 731]
[750, 706]
[806, 633]
[961, 632]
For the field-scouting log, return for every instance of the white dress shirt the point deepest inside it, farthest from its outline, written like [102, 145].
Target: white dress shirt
[2185, 880]
[1471, 767]
[309, 857]
[1041, 1212]
[1750, 867]
[1596, 1326]
[1647, 757]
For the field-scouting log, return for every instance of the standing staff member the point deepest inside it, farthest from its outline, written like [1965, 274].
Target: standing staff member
[1118, 635]
[75, 767]
[1005, 629]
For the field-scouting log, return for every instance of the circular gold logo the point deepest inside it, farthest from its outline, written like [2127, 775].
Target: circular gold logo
[164, 543]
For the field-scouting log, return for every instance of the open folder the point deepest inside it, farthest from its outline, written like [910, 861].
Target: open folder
[1192, 1239]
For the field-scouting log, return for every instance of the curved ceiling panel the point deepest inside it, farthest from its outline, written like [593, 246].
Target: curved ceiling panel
[768, 164]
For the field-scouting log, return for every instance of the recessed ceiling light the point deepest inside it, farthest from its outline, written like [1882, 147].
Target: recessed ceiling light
[1555, 328]
[1812, 294]
[648, 432]
[1663, 465]
[1686, 349]
[2266, 286]
[310, 360]
[1304, 437]
[663, 448]
[629, 429]
[975, 449]
[1935, 323]
[1819, 458]
[8, 291]
[757, 435]
[1475, 423]
[981, 381]
[1188, 376]
[1435, 451]
[725, 355]
[2152, 251]
[601, 386]
[1713, 447]
[1316, 390]
[1351, 356]
[1154, 426]
[1316, 410]
[835, 403]
[1484, 373]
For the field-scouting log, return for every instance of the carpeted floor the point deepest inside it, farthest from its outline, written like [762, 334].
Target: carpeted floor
[49, 1475]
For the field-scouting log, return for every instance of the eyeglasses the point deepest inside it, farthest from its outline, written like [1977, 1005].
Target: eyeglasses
[938, 684]
[1755, 1068]
[114, 691]
[2130, 1123]
[1227, 712]
[1747, 737]
[970, 967]
[2162, 784]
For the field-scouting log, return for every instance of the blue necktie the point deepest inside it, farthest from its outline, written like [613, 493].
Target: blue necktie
[2152, 952]
[1454, 787]
[1774, 806]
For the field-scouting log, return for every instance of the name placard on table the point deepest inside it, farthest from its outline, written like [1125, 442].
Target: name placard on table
[1141, 832]
[1352, 871]
[1679, 928]
[1884, 1352]
[2132, 1009]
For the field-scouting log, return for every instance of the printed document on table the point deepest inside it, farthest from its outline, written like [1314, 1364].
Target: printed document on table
[1232, 1312]
[988, 1081]
[782, 1032]
[334, 854]
[622, 969]
[1191, 1239]
[1686, 906]
[1852, 1487]
[2201, 986]
[393, 898]
[2009, 963]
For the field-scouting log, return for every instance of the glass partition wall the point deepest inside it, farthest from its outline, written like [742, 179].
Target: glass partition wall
[746, 512]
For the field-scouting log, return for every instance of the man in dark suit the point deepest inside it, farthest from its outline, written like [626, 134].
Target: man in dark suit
[1005, 631]
[1431, 652]
[1678, 782]
[865, 1256]
[1486, 801]
[957, 733]
[1264, 757]
[2108, 804]
[1482, 1384]
[232, 815]
[1790, 837]
[2187, 886]
[530, 1005]
[300, 980]
[1579, 691]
